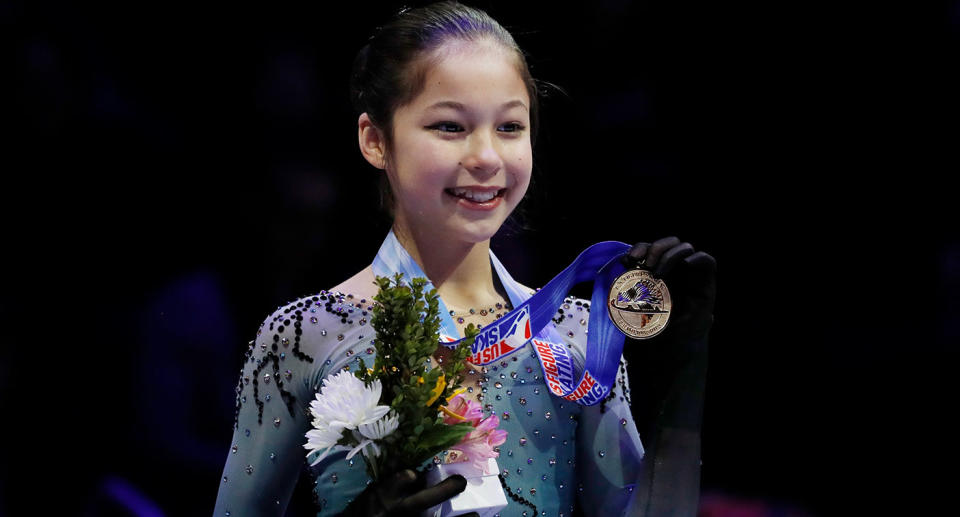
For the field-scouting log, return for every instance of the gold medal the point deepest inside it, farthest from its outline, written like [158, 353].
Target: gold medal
[639, 304]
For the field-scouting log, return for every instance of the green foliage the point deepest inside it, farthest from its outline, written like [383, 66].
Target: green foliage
[407, 325]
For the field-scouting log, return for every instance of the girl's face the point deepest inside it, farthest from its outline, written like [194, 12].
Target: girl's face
[461, 156]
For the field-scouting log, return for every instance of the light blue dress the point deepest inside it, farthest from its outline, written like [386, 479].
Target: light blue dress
[558, 454]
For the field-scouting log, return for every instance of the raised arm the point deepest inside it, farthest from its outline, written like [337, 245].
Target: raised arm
[609, 453]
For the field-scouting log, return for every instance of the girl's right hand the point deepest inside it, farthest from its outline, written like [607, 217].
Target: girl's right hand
[404, 495]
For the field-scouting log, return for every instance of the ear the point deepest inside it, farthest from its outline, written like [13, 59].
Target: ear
[373, 147]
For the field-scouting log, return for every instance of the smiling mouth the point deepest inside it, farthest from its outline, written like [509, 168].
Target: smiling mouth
[477, 196]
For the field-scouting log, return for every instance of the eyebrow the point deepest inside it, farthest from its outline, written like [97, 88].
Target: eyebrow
[460, 107]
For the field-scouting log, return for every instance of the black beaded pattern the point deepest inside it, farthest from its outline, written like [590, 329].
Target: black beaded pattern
[621, 381]
[338, 304]
[272, 358]
[516, 497]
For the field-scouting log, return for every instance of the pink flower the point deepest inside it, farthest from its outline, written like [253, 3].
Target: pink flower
[460, 409]
[477, 446]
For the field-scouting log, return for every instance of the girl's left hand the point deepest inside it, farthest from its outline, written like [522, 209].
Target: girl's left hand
[691, 278]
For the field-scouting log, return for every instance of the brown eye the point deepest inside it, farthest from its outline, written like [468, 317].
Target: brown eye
[446, 127]
[511, 127]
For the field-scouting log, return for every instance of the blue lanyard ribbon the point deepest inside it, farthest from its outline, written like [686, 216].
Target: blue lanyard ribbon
[530, 318]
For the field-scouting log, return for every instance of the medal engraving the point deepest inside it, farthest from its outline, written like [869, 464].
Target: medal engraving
[639, 304]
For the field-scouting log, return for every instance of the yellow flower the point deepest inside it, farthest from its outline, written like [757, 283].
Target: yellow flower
[437, 390]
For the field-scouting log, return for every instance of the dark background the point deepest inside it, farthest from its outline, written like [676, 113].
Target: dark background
[174, 172]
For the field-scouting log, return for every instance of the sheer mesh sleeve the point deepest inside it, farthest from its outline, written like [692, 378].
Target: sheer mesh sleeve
[609, 451]
[282, 368]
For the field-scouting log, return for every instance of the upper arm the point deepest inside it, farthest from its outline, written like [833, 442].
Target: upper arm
[282, 365]
[609, 451]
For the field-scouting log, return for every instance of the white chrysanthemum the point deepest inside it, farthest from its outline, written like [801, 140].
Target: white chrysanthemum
[374, 431]
[345, 402]
[324, 440]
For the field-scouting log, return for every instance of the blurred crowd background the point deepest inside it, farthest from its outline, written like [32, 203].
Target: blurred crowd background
[173, 172]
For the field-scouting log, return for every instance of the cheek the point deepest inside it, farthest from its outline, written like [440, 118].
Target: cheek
[522, 165]
[421, 166]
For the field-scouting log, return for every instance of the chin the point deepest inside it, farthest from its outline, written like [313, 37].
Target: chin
[476, 232]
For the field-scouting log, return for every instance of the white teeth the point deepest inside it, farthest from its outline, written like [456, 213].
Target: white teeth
[479, 197]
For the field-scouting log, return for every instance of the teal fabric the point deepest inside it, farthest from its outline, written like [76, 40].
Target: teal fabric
[558, 454]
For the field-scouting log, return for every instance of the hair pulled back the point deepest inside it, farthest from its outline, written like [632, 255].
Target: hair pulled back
[387, 72]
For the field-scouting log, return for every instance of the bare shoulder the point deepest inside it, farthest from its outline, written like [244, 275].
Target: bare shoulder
[359, 285]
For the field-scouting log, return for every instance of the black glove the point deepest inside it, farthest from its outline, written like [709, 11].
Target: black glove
[670, 374]
[670, 368]
[691, 278]
[404, 494]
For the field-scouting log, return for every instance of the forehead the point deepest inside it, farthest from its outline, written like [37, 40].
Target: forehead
[471, 73]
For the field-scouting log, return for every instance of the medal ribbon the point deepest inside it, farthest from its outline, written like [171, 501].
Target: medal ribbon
[529, 320]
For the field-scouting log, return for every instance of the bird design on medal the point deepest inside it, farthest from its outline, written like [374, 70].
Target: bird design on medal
[639, 304]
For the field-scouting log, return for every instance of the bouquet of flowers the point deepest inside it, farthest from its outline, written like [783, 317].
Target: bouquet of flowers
[399, 412]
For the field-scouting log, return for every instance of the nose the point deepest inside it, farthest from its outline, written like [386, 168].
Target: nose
[483, 156]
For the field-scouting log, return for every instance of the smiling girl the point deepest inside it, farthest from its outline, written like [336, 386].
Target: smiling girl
[447, 111]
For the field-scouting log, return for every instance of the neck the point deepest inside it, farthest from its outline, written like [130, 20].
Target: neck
[460, 271]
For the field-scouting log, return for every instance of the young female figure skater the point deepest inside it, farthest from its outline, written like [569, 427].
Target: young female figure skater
[448, 109]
